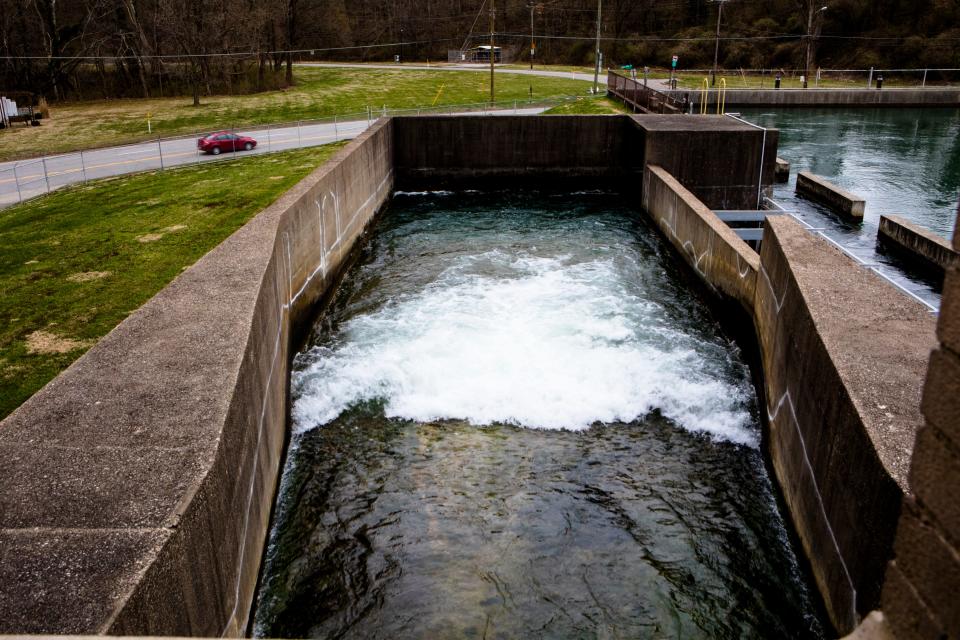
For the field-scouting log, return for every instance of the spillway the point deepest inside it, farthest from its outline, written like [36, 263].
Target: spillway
[518, 417]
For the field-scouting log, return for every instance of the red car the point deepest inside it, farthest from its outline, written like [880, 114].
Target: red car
[217, 143]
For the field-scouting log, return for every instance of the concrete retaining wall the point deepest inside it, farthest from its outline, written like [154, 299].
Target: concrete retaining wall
[917, 243]
[843, 356]
[440, 150]
[787, 98]
[723, 260]
[137, 486]
[830, 195]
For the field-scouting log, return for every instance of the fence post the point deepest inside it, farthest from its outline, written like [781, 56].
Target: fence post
[46, 176]
[870, 78]
[16, 180]
[160, 151]
[924, 83]
[83, 166]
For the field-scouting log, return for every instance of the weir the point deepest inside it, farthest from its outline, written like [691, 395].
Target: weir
[138, 484]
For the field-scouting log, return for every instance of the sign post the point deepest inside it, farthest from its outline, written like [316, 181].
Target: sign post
[673, 70]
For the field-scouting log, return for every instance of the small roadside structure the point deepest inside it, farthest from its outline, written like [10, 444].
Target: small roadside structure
[19, 106]
[482, 54]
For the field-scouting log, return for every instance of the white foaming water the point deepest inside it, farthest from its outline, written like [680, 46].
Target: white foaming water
[540, 342]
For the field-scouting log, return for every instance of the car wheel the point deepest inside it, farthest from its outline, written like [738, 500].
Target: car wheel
[248, 146]
[215, 151]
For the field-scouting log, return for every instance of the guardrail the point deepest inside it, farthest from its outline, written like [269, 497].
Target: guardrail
[640, 97]
[25, 179]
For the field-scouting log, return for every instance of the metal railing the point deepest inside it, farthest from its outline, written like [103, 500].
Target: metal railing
[640, 97]
[25, 179]
[820, 78]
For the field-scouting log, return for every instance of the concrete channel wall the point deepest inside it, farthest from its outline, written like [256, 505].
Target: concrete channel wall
[138, 485]
[843, 358]
[724, 261]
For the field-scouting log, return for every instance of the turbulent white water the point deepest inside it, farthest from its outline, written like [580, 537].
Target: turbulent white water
[539, 338]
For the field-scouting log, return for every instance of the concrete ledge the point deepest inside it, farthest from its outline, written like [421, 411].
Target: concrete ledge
[860, 98]
[917, 243]
[782, 173]
[830, 195]
[137, 485]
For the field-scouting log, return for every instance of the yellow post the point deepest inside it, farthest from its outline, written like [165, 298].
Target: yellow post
[149, 129]
[722, 97]
[437, 97]
[704, 95]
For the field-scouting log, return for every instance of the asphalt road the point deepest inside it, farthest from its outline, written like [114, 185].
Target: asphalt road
[29, 178]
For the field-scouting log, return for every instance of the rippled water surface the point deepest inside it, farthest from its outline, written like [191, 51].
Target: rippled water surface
[904, 162]
[516, 420]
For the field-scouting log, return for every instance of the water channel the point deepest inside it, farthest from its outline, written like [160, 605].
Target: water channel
[904, 162]
[517, 418]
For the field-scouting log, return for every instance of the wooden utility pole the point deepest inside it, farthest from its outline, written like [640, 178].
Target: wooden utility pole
[716, 46]
[532, 44]
[493, 23]
[596, 67]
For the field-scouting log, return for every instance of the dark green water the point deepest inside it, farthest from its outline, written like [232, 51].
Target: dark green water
[904, 162]
[517, 421]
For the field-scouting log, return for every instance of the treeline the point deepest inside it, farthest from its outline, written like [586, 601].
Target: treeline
[107, 48]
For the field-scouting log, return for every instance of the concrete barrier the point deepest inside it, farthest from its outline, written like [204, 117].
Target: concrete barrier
[138, 485]
[917, 243]
[830, 195]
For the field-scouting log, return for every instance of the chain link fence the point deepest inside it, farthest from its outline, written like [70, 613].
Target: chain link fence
[25, 179]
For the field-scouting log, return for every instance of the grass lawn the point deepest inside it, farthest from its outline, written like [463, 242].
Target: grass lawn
[588, 106]
[318, 93]
[75, 263]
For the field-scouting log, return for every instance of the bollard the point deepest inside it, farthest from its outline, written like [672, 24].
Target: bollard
[160, 151]
[776, 83]
[83, 167]
[880, 81]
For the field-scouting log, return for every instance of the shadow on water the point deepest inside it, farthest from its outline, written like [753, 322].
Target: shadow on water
[660, 525]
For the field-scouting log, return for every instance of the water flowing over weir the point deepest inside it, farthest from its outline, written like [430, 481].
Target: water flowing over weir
[516, 419]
